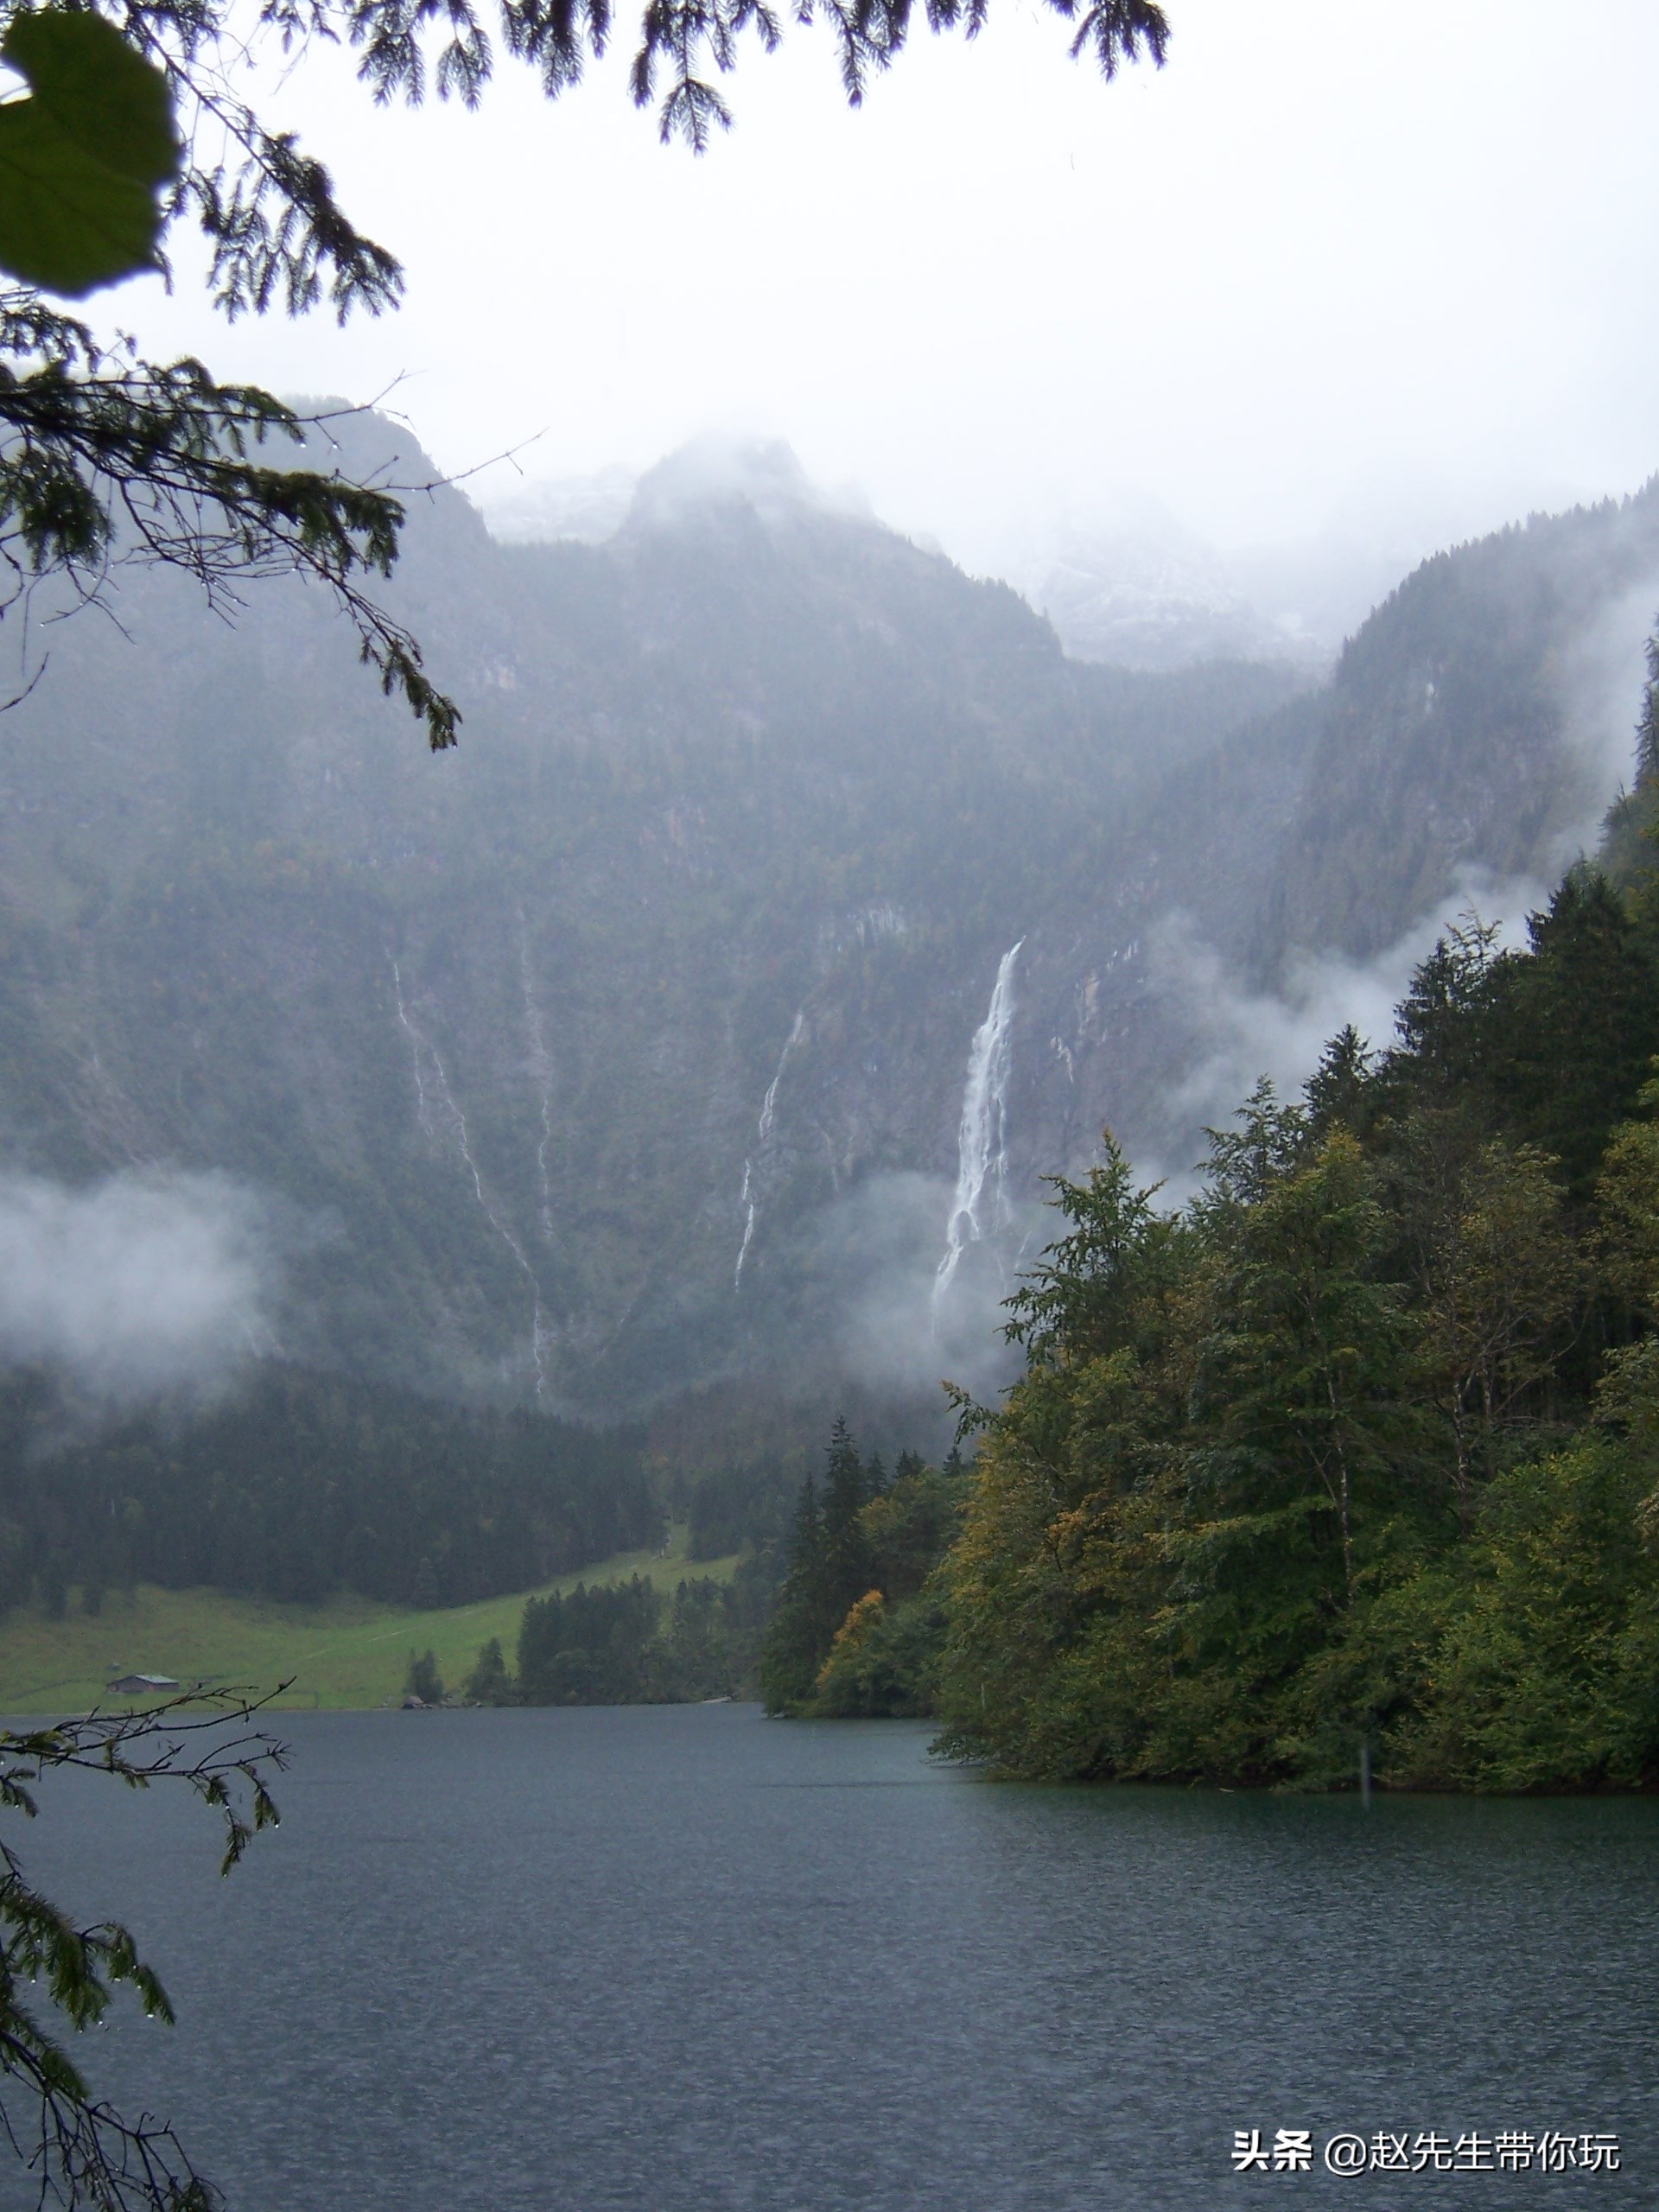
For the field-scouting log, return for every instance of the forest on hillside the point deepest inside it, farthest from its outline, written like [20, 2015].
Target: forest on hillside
[304, 1483]
[1356, 1453]
[624, 1072]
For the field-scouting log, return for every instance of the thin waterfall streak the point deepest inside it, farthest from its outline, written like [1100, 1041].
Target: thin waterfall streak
[541, 1166]
[541, 1066]
[539, 1338]
[464, 1147]
[768, 1106]
[982, 1137]
[767, 1122]
[423, 1111]
[744, 1200]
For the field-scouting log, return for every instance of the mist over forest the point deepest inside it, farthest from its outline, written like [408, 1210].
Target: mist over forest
[829, 1104]
[624, 1054]
[684, 1059]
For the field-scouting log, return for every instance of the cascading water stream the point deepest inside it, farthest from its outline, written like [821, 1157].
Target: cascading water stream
[766, 1124]
[541, 1066]
[423, 1112]
[744, 1200]
[981, 1140]
[768, 1105]
[423, 1047]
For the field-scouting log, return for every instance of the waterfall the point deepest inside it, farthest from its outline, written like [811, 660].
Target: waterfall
[744, 1200]
[982, 1142]
[768, 1116]
[423, 1112]
[541, 1066]
[767, 1122]
[423, 1048]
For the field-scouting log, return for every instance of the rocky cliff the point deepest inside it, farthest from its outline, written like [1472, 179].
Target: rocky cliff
[655, 1034]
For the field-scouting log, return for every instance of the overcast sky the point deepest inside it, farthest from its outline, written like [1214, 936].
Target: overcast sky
[1384, 266]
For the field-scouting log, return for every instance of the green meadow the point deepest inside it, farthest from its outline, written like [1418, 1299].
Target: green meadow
[349, 1653]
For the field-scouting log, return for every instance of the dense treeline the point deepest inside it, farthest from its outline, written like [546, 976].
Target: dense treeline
[858, 1619]
[307, 1484]
[744, 1501]
[627, 1644]
[1355, 1455]
[1361, 1447]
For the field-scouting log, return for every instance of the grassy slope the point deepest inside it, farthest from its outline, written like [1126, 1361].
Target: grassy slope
[348, 1653]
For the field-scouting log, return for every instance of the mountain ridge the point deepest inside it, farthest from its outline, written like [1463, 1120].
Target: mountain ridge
[496, 1033]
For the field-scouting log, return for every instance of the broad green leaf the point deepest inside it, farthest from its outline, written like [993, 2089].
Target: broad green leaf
[82, 156]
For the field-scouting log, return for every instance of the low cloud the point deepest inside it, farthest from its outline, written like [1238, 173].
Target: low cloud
[1600, 679]
[880, 1246]
[144, 1285]
[1248, 1035]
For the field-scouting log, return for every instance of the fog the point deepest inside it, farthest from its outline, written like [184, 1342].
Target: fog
[881, 1245]
[1346, 283]
[142, 1286]
[1245, 338]
[898, 1334]
[1282, 1034]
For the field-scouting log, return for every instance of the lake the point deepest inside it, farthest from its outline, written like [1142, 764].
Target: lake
[682, 1959]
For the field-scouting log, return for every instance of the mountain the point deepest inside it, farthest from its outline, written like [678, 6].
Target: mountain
[1143, 592]
[628, 1047]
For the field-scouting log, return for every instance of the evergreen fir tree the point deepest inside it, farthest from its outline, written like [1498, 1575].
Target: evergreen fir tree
[848, 1565]
[799, 1632]
[1442, 1048]
[1581, 1024]
[1338, 1090]
[489, 1683]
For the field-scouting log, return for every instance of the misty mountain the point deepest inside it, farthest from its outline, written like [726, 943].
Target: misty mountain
[626, 1047]
[1147, 595]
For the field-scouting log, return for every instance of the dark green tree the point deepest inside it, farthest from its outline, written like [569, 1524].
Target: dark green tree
[798, 1635]
[846, 1563]
[1100, 1287]
[1581, 1023]
[829, 1567]
[1359, 1447]
[1444, 1046]
[590, 1646]
[1339, 1091]
[56, 1973]
[490, 1683]
[1301, 1389]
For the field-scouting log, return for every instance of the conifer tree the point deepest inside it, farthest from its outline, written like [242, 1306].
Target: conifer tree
[848, 1564]
[1338, 1090]
[1582, 1025]
[798, 1634]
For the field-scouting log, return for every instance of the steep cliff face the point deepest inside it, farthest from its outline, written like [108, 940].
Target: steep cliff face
[628, 1046]
[1475, 725]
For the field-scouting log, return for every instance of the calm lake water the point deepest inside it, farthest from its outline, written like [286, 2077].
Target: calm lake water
[683, 1959]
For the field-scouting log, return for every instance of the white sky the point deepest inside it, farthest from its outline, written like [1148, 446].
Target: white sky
[1381, 266]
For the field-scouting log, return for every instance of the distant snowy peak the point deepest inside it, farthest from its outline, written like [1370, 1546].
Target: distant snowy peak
[1133, 587]
[1158, 604]
[587, 508]
[714, 473]
[709, 476]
